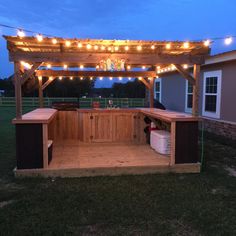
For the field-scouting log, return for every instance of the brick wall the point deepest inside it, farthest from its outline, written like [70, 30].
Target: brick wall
[221, 127]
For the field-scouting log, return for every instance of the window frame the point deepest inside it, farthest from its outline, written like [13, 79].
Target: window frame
[155, 92]
[218, 74]
[186, 108]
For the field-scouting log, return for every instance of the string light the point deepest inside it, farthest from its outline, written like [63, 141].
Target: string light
[116, 48]
[39, 37]
[21, 33]
[68, 43]
[65, 67]
[103, 47]
[101, 78]
[153, 47]
[97, 66]
[50, 78]
[60, 77]
[140, 78]
[40, 78]
[143, 67]
[186, 45]
[228, 40]
[91, 78]
[80, 45]
[128, 67]
[109, 48]
[110, 78]
[89, 46]
[120, 78]
[96, 47]
[185, 66]
[168, 46]
[54, 41]
[139, 48]
[71, 78]
[149, 78]
[81, 66]
[81, 78]
[49, 66]
[129, 78]
[126, 48]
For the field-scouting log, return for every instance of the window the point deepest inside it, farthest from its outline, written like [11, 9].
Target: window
[157, 90]
[212, 94]
[188, 97]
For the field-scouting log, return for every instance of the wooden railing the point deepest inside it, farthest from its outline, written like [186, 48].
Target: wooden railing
[84, 102]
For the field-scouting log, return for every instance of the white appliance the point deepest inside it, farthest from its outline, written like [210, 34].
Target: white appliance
[160, 141]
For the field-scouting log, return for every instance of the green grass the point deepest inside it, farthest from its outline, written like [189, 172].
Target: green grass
[168, 204]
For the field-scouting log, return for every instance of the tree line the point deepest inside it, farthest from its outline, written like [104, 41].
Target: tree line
[77, 88]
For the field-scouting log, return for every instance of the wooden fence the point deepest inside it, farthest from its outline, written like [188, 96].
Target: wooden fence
[83, 102]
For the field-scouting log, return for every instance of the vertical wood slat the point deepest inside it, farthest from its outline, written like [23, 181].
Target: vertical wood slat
[196, 75]
[40, 92]
[151, 92]
[18, 95]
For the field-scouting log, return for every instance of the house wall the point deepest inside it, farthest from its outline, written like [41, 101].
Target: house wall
[174, 90]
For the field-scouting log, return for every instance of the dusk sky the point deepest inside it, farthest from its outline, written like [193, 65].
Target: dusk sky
[123, 19]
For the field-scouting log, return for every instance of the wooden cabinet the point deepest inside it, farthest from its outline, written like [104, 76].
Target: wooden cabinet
[111, 127]
[101, 127]
[123, 127]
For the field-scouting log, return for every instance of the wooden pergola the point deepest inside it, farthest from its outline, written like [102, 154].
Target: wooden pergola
[48, 57]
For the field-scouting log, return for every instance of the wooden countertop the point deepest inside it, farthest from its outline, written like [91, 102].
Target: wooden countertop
[37, 116]
[102, 110]
[167, 115]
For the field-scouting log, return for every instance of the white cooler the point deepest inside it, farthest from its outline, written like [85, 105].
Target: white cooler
[160, 141]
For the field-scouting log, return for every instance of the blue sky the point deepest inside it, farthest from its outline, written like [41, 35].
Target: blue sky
[123, 19]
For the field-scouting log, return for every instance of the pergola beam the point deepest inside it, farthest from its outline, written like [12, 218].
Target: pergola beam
[94, 58]
[67, 73]
[49, 81]
[185, 74]
[196, 88]
[28, 73]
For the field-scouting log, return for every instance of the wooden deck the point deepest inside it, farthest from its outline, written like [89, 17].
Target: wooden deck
[74, 154]
[77, 159]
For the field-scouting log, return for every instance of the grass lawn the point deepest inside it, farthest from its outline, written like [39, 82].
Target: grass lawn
[168, 204]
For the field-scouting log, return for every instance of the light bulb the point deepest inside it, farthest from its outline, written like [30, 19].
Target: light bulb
[185, 66]
[39, 37]
[143, 67]
[68, 43]
[168, 46]
[207, 43]
[129, 78]
[21, 33]
[228, 40]
[65, 66]
[110, 78]
[128, 67]
[101, 78]
[103, 47]
[153, 47]
[96, 47]
[186, 45]
[139, 48]
[126, 48]
[120, 78]
[54, 41]
[116, 48]
[49, 66]
[60, 77]
[89, 46]
[80, 45]
[71, 78]
[81, 66]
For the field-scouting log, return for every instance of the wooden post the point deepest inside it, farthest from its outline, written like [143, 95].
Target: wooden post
[18, 95]
[151, 93]
[196, 75]
[40, 92]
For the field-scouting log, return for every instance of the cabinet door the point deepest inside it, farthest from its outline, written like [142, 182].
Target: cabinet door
[101, 127]
[123, 128]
